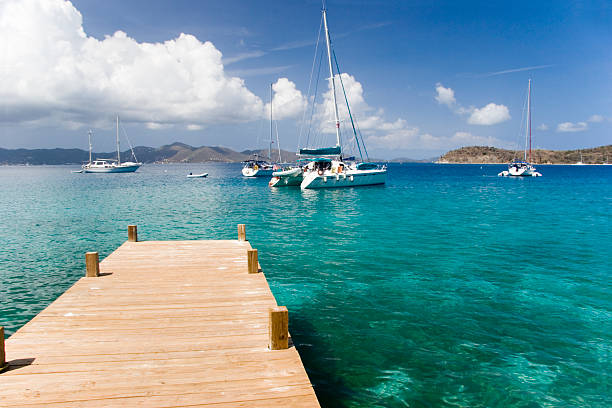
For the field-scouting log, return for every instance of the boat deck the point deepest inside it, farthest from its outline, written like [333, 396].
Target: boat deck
[166, 324]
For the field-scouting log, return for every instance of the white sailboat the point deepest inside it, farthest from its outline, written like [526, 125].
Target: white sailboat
[110, 165]
[523, 168]
[325, 167]
[262, 168]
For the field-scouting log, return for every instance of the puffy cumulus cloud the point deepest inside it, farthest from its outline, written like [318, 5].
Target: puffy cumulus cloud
[383, 134]
[444, 95]
[596, 118]
[572, 127]
[287, 102]
[491, 114]
[54, 73]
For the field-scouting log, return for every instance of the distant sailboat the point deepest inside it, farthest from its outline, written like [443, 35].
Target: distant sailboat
[262, 168]
[110, 165]
[524, 168]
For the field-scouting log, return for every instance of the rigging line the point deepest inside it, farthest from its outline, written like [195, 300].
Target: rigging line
[347, 104]
[280, 159]
[314, 100]
[314, 61]
[362, 142]
[128, 140]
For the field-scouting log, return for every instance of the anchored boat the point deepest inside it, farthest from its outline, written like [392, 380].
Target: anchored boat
[110, 165]
[524, 168]
[325, 167]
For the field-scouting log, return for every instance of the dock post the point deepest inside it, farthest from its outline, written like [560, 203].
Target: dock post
[92, 262]
[278, 328]
[132, 233]
[241, 232]
[253, 261]
[3, 365]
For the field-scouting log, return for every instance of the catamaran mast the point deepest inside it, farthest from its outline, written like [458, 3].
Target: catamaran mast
[270, 144]
[331, 73]
[89, 134]
[118, 154]
[528, 129]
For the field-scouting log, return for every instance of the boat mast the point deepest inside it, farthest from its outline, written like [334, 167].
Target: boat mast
[89, 135]
[280, 159]
[331, 73]
[118, 154]
[270, 144]
[528, 120]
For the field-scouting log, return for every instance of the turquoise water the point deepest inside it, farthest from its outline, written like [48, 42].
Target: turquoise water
[449, 286]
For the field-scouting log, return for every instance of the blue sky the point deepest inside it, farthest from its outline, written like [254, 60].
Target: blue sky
[424, 77]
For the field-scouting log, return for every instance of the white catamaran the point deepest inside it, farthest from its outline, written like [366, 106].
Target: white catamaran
[523, 168]
[325, 167]
[110, 165]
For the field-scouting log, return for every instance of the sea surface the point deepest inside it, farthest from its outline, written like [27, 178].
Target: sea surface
[446, 287]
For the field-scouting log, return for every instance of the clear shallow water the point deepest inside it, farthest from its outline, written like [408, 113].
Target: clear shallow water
[448, 286]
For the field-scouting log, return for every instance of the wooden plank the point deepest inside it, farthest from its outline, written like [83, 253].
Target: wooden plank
[179, 323]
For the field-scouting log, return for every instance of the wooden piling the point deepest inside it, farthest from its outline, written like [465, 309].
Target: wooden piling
[3, 364]
[241, 232]
[132, 233]
[253, 261]
[92, 262]
[278, 328]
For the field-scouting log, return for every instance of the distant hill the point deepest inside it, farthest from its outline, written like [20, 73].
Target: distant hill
[485, 154]
[173, 153]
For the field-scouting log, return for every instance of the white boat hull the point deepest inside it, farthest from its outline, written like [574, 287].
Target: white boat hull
[112, 169]
[525, 171]
[349, 178]
[251, 172]
[197, 175]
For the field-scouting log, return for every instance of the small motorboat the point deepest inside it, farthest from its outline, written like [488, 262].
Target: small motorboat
[191, 175]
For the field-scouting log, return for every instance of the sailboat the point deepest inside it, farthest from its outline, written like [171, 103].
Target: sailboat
[524, 168]
[110, 165]
[262, 168]
[324, 167]
[579, 163]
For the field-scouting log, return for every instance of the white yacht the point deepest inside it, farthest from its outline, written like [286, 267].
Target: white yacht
[110, 165]
[263, 168]
[523, 168]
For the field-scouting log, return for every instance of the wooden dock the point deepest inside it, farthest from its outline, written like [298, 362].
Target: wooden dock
[160, 324]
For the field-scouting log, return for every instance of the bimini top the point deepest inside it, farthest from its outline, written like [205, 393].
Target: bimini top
[324, 151]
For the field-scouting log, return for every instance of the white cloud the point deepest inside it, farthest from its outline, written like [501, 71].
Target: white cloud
[382, 134]
[595, 119]
[412, 138]
[543, 126]
[491, 114]
[445, 96]
[288, 101]
[572, 127]
[55, 74]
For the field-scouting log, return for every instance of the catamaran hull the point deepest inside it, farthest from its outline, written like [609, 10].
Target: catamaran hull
[122, 169]
[520, 173]
[349, 179]
[250, 172]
